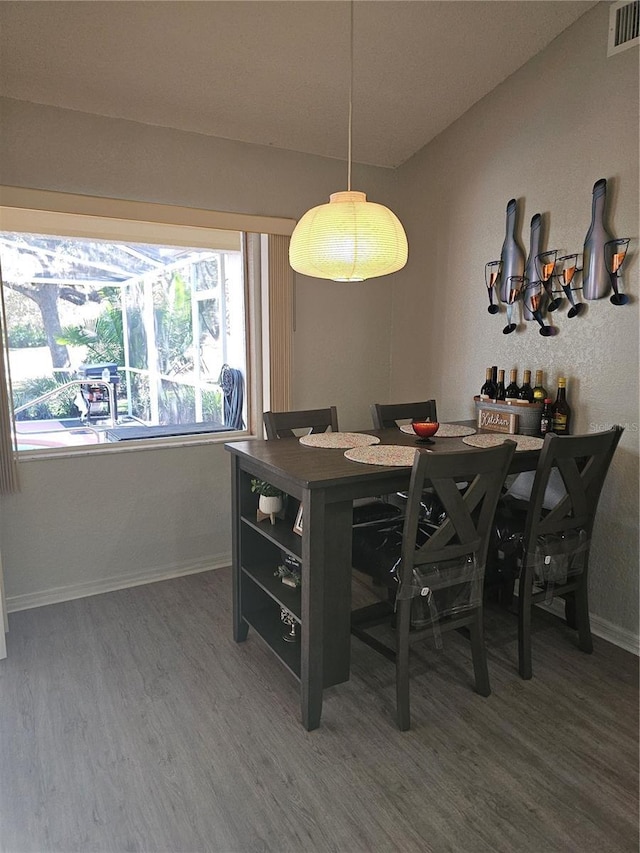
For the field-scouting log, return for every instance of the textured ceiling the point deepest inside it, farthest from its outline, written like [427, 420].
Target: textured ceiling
[276, 73]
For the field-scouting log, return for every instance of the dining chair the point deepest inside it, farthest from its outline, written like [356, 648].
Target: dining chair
[545, 541]
[283, 424]
[366, 511]
[386, 415]
[436, 569]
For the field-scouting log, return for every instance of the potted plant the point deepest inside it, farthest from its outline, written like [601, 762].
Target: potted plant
[270, 498]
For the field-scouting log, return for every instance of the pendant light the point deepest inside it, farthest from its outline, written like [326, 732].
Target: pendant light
[349, 239]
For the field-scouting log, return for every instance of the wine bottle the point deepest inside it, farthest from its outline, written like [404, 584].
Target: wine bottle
[539, 391]
[512, 389]
[530, 271]
[546, 418]
[561, 410]
[494, 374]
[488, 390]
[512, 255]
[526, 391]
[500, 389]
[595, 278]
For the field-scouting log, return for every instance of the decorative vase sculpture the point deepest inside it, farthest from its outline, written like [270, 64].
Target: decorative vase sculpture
[530, 270]
[596, 281]
[270, 505]
[512, 256]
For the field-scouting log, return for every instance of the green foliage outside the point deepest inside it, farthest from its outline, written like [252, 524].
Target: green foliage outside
[24, 336]
[103, 338]
[59, 406]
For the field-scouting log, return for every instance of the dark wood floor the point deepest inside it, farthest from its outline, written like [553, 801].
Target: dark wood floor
[130, 721]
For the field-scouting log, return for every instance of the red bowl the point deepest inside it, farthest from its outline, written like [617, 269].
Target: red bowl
[425, 429]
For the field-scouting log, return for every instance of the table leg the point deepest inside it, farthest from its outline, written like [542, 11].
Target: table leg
[240, 627]
[326, 600]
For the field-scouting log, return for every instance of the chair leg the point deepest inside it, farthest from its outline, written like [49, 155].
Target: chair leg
[479, 655]
[570, 611]
[505, 594]
[403, 624]
[525, 605]
[583, 624]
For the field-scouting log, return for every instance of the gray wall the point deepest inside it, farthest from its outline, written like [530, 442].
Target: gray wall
[544, 136]
[94, 522]
[567, 118]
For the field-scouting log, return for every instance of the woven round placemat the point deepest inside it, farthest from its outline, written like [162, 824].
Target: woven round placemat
[444, 430]
[338, 440]
[524, 442]
[383, 454]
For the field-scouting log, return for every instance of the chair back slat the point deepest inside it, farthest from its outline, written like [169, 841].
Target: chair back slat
[469, 510]
[283, 424]
[583, 462]
[386, 415]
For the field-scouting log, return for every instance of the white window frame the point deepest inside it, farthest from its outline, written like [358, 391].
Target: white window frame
[46, 212]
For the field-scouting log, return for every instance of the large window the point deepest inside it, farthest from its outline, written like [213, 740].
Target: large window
[108, 340]
[141, 337]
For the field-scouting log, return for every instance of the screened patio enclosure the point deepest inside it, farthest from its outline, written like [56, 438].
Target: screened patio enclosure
[156, 331]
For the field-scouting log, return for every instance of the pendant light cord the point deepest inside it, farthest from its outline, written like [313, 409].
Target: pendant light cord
[350, 93]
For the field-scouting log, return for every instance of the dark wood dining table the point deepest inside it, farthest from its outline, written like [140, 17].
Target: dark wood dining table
[325, 484]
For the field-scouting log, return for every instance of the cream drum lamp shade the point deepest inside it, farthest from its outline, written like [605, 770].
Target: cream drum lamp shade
[349, 239]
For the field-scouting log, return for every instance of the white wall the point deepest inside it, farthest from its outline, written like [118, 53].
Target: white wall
[567, 118]
[90, 523]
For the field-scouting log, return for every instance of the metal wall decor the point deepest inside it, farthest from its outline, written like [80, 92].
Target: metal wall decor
[615, 253]
[530, 270]
[512, 255]
[595, 278]
[544, 280]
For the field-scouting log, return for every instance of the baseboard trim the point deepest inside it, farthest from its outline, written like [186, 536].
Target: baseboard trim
[604, 629]
[84, 589]
[600, 627]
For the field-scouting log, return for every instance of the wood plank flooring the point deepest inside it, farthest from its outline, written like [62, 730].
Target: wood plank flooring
[131, 721]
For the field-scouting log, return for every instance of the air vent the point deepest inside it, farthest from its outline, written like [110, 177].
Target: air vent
[624, 26]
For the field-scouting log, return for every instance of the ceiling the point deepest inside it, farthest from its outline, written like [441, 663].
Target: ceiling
[277, 73]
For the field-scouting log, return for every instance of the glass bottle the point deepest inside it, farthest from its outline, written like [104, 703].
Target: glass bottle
[561, 410]
[596, 281]
[500, 389]
[526, 391]
[546, 418]
[539, 391]
[512, 389]
[530, 272]
[512, 255]
[488, 390]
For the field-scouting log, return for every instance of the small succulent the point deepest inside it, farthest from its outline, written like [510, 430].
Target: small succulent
[261, 487]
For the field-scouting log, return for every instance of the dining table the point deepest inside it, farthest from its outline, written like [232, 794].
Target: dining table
[308, 627]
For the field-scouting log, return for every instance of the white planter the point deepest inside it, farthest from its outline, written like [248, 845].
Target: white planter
[270, 506]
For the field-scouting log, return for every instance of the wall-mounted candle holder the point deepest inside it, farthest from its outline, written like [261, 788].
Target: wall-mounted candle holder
[492, 272]
[566, 273]
[615, 253]
[513, 291]
[533, 297]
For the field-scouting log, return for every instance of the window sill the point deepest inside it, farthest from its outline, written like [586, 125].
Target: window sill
[134, 445]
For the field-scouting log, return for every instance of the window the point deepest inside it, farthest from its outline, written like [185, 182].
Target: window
[128, 329]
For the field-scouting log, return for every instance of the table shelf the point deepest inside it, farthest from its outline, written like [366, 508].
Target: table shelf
[285, 596]
[280, 533]
[266, 622]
